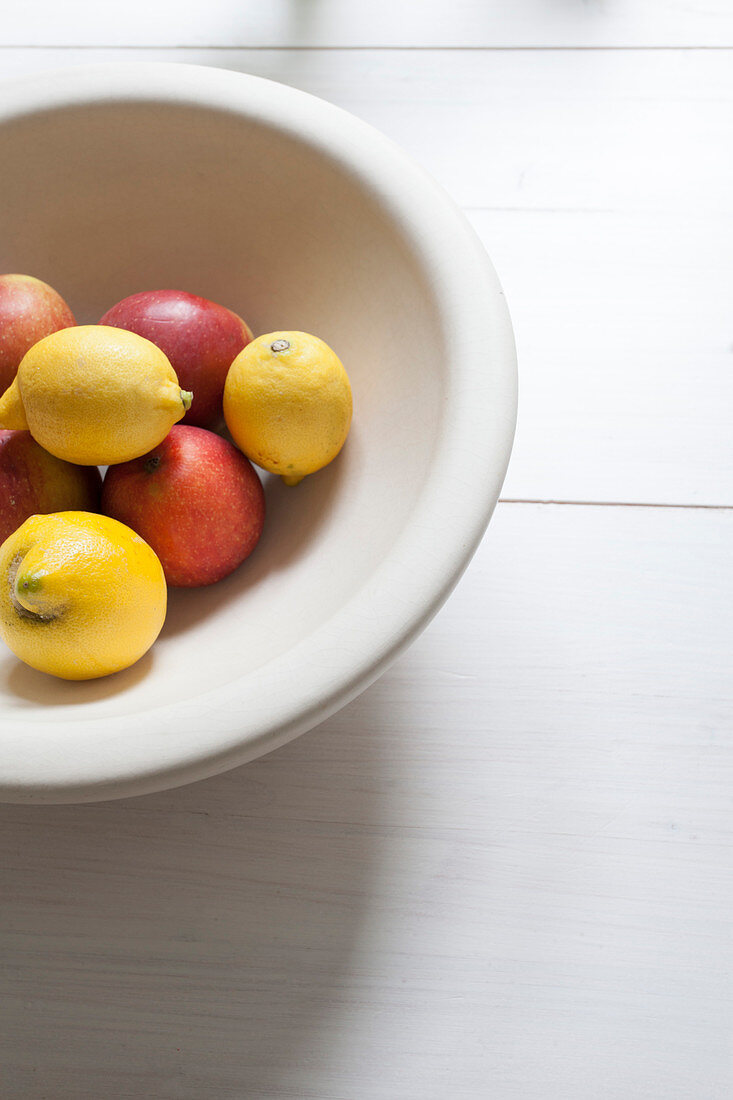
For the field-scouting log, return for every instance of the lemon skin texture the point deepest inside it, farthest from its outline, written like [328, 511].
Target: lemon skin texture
[81, 595]
[94, 395]
[288, 403]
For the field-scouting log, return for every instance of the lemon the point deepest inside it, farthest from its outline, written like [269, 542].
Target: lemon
[81, 595]
[287, 403]
[95, 395]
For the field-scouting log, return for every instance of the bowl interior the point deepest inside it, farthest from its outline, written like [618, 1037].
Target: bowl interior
[107, 199]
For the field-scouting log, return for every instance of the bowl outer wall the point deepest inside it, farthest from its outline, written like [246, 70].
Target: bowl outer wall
[191, 740]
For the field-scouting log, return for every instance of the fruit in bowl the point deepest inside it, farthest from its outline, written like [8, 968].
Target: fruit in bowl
[29, 310]
[94, 395]
[34, 482]
[288, 403]
[81, 595]
[195, 499]
[200, 338]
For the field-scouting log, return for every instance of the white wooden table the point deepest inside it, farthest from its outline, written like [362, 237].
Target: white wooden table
[505, 872]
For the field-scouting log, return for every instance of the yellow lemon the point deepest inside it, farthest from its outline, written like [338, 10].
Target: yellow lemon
[95, 395]
[287, 403]
[81, 595]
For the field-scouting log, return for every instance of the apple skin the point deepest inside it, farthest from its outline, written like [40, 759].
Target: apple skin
[200, 338]
[34, 482]
[29, 310]
[195, 499]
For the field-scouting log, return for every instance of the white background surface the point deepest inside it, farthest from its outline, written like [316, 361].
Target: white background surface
[505, 872]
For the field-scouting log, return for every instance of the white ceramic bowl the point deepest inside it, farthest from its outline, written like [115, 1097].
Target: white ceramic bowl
[122, 178]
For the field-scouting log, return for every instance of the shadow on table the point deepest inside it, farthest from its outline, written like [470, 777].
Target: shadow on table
[197, 942]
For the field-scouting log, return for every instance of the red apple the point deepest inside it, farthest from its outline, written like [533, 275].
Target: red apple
[29, 310]
[33, 482]
[200, 338]
[195, 499]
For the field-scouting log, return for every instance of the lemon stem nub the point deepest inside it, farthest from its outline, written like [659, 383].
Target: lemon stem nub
[26, 596]
[292, 479]
[186, 398]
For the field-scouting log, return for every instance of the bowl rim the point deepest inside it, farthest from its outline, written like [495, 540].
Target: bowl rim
[355, 645]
